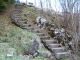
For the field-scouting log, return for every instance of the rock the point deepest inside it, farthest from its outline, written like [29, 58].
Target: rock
[26, 57]
[52, 58]
[10, 52]
[35, 44]
[33, 49]
[36, 54]
[47, 54]
[26, 14]
[41, 21]
[62, 30]
[42, 46]
[57, 31]
[52, 29]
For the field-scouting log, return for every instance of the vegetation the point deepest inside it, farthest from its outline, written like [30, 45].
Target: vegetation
[4, 4]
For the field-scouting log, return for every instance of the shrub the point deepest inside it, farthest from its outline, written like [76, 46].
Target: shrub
[3, 5]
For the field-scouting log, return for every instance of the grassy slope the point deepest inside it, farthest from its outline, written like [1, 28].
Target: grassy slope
[12, 36]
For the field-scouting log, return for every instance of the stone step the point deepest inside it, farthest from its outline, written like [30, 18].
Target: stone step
[18, 23]
[35, 31]
[37, 27]
[17, 16]
[25, 19]
[22, 21]
[19, 9]
[19, 4]
[26, 25]
[40, 34]
[44, 37]
[15, 12]
[13, 15]
[50, 46]
[50, 41]
[28, 28]
[62, 54]
[59, 49]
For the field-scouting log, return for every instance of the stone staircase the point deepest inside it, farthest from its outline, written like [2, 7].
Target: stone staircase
[58, 50]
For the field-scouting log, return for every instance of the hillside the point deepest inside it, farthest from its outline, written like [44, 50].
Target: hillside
[13, 38]
[16, 39]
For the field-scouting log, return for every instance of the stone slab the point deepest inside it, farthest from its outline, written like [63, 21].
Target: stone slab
[26, 25]
[59, 49]
[44, 37]
[35, 31]
[50, 41]
[53, 46]
[40, 34]
[62, 54]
